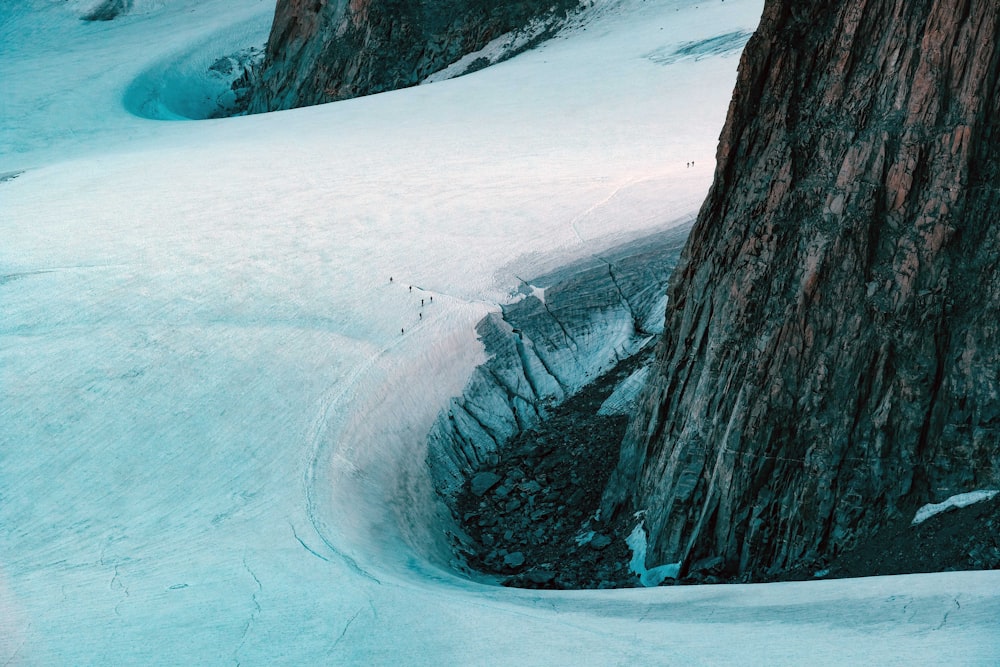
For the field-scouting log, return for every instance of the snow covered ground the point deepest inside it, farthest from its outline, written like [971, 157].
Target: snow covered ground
[214, 402]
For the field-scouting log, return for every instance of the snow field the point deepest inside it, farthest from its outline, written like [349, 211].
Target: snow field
[212, 428]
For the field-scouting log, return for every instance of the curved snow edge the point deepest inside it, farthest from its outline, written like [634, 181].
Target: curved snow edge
[957, 501]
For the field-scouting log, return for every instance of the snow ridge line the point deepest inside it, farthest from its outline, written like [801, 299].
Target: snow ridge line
[319, 447]
[321, 441]
[948, 613]
[17, 651]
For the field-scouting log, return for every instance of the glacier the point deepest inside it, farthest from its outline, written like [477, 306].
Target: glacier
[216, 406]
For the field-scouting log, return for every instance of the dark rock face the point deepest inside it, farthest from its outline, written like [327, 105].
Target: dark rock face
[831, 355]
[963, 539]
[108, 10]
[325, 50]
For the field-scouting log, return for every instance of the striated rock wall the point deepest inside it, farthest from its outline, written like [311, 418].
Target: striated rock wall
[831, 355]
[325, 50]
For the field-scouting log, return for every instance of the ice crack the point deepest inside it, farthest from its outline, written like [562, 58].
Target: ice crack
[529, 374]
[569, 337]
[948, 613]
[479, 422]
[306, 546]
[636, 324]
[346, 628]
[549, 370]
[12, 660]
[254, 615]
[117, 582]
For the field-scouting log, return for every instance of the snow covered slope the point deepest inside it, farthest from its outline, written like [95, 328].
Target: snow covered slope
[215, 403]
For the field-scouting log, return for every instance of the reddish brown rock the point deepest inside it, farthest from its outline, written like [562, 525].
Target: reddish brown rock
[832, 349]
[326, 50]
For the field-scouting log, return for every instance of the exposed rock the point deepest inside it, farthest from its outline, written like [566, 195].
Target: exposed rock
[108, 10]
[599, 542]
[557, 489]
[483, 482]
[711, 564]
[325, 50]
[556, 539]
[238, 71]
[966, 538]
[626, 395]
[540, 577]
[833, 335]
[514, 560]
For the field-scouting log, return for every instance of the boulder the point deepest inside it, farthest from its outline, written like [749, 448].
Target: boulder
[483, 482]
[513, 560]
[325, 51]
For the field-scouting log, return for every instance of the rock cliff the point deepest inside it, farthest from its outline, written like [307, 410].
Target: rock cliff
[325, 50]
[831, 354]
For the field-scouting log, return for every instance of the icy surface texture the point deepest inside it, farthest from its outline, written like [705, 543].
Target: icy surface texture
[212, 429]
[568, 327]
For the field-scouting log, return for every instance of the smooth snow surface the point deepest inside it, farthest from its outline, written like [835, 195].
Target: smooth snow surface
[954, 502]
[212, 427]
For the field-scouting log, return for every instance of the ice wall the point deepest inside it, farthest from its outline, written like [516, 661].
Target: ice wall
[568, 327]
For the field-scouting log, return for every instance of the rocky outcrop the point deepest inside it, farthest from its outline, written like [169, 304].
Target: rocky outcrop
[529, 516]
[325, 50]
[831, 355]
[108, 10]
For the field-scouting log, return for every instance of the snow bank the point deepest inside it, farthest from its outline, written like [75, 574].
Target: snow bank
[649, 577]
[957, 501]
